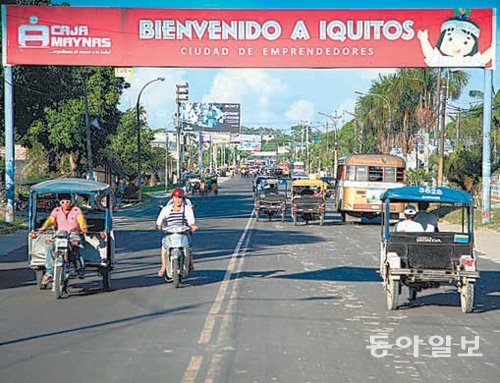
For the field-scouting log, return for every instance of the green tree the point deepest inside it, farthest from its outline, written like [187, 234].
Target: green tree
[123, 145]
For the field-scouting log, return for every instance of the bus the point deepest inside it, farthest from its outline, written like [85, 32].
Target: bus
[361, 179]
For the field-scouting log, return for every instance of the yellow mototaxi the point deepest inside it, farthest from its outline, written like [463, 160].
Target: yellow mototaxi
[307, 200]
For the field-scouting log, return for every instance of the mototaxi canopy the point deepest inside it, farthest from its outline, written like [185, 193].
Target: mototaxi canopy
[427, 193]
[437, 194]
[308, 182]
[71, 185]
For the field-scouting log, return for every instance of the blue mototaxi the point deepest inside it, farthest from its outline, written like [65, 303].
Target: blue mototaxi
[94, 198]
[424, 260]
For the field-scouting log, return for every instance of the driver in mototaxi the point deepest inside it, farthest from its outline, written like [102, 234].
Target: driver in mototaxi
[65, 217]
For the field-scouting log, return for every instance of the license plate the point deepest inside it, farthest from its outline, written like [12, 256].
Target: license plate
[61, 242]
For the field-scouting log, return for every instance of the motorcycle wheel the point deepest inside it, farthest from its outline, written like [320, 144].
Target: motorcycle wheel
[59, 281]
[176, 273]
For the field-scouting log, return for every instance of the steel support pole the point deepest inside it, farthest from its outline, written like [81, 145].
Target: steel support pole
[487, 105]
[178, 147]
[9, 143]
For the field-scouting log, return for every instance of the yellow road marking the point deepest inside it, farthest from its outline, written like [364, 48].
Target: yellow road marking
[192, 370]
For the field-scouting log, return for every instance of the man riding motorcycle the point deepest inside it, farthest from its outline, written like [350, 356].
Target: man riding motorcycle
[65, 217]
[176, 213]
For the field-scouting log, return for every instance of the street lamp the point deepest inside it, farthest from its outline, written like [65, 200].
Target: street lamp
[139, 173]
[388, 107]
[335, 145]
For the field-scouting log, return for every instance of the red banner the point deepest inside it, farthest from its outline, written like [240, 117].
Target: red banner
[248, 38]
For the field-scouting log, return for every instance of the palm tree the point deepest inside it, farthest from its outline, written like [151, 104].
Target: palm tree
[411, 95]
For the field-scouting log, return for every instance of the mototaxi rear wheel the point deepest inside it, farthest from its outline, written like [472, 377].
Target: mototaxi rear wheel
[392, 291]
[467, 292]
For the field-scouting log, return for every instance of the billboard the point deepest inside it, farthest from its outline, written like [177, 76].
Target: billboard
[216, 138]
[215, 117]
[246, 38]
[249, 142]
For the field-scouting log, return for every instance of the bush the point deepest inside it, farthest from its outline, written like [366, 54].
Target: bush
[418, 177]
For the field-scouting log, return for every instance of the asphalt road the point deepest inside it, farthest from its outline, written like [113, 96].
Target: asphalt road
[268, 302]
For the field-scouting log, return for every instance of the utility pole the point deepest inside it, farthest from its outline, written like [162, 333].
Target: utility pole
[486, 166]
[442, 135]
[457, 128]
[335, 147]
[438, 105]
[87, 131]
[9, 143]
[166, 161]
[308, 156]
[182, 95]
[200, 151]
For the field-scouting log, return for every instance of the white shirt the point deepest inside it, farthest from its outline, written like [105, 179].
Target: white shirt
[427, 220]
[164, 213]
[409, 226]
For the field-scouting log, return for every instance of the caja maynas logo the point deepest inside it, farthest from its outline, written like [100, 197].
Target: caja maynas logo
[58, 36]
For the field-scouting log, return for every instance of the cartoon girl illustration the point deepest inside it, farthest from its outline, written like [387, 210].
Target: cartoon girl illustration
[457, 44]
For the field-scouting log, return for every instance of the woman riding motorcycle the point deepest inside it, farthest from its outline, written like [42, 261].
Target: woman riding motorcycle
[177, 213]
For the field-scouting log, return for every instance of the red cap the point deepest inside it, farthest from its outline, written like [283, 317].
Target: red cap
[178, 192]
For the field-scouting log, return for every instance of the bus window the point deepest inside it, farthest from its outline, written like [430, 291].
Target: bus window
[401, 175]
[351, 173]
[375, 174]
[361, 173]
[390, 174]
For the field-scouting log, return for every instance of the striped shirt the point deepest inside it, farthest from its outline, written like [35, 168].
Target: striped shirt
[176, 218]
[168, 216]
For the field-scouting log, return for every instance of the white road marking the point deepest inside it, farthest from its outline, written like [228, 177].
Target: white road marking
[207, 330]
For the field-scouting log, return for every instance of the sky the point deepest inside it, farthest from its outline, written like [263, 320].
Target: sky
[277, 98]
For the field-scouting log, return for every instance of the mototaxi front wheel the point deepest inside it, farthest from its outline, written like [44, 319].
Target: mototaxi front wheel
[60, 281]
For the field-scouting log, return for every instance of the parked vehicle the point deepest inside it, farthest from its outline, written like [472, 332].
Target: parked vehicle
[423, 260]
[308, 201]
[362, 178]
[98, 245]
